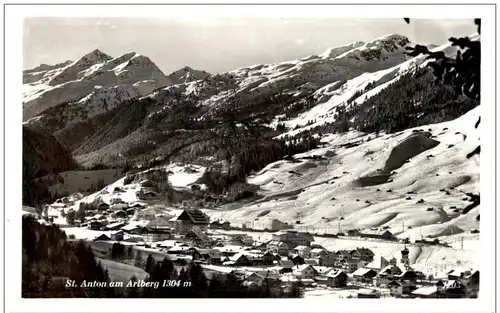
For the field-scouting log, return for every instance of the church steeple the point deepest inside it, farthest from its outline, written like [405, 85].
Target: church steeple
[405, 260]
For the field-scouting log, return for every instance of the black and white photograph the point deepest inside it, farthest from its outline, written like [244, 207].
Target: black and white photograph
[274, 156]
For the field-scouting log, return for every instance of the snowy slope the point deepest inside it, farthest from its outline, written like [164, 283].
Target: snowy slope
[96, 79]
[296, 78]
[335, 94]
[326, 194]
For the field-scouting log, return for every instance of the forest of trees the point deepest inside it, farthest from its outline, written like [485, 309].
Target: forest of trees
[415, 99]
[49, 260]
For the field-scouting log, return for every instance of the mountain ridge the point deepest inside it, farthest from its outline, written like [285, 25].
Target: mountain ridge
[298, 95]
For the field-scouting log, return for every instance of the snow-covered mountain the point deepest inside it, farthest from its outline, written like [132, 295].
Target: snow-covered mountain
[186, 75]
[96, 80]
[101, 108]
[297, 78]
[407, 173]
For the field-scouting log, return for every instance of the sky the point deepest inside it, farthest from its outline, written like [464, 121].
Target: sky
[216, 45]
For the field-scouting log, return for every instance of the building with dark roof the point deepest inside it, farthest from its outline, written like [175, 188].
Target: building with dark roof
[190, 219]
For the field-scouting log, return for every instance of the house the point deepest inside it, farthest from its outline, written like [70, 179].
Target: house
[343, 255]
[155, 234]
[293, 238]
[199, 238]
[255, 258]
[145, 194]
[115, 226]
[271, 224]
[210, 256]
[215, 224]
[407, 275]
[268, 258]
[119, 207]
[134, 240]
[134, 227]
[137, 206]
[280, 236]
[241, 240]
[386, 275]
[378, 264]
[260, 258]
[328, 259]
[236, 242]
[336, 278]
[161, 220]
[278, 247]
[362, 254]
[177, 250]
[238, 259]
[426, 292]
[303, 251]
[229, 250]
[253, 278]
[221, 225]
[225, 225]
[396, 288]
[321, 281]
[368, 294]
[364, 275]
[150, 213]
[318, 252]
[95, 225]
[353, 232]
[313, 262]
[131, 212]
[304, 271]
[286, 266]
[103, 206]
[102, 237]
[103, 216]
[297, 259]
[118, 190]
[351, 265]
[117, 235]
[390, 270]
[377, 234]
[190, 219]
[116, 201]
[169, 243]
[121, 214]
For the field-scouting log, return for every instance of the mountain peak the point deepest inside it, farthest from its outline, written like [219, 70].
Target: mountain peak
[336, 51]
[187, 74]
[96, 55]
[390, 42]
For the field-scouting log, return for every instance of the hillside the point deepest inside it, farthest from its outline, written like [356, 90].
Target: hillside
[334, 190]
[76, 111]
[42, 155]
[237, 123]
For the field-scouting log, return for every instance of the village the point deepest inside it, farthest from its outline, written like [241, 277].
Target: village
[188, 235]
